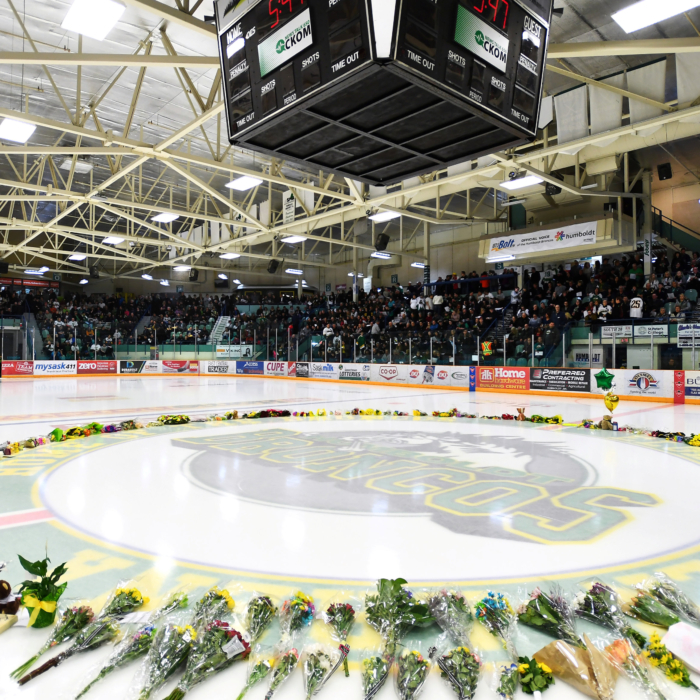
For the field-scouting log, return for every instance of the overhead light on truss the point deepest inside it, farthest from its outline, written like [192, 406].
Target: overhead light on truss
[230, 256]
[182, 268]
[40, 271]
[294, 271]
[17, 132]
[112, 240]
[647, 12]
[84, 281]
[165, 218]
[146, 277]
[383, 216]
[222, 276]
[82, 167]
[291, 240]
[164, 283]
[77, 257]
[93, 18]
[245, 183]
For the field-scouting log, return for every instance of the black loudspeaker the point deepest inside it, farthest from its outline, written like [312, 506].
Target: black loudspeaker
[272, 266]
[665, 172]
[194, 275]
[382, 242]
[551, 189]
[4, 268]
[94, 273]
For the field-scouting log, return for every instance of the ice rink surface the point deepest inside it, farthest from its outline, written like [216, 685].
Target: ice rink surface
[328, 505]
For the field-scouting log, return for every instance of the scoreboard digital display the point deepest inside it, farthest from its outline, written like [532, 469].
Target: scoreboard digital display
[380, 90]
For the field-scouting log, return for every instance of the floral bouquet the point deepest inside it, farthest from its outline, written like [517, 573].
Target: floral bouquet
[673, 668]
[216, 648]
[297, 612]
[70, 623]
[495, 613]
[393, 612]
[284, 665]
[40, 597]
[461, 668]
[534, 676]
[260, 668]
[318, 665]
[340, 617]
[412, 671]
[90, 637]
[168, 650]
[622, 654]
[258, 616]
[375, 671]
[131, 648]
[550, 613]
[666, 591]
[214, 603]
[508, 681]
[122, 602]
[452, 612]
[602, 605]
[646, 608]
[173, 420]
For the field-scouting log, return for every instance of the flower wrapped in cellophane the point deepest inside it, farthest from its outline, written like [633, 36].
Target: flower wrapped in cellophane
[586, 668]
[671, 666]
[602, 605]
[623, 654]
[340, 617]
[551, 614]
[460, 668]
[412, 670]
[534, 676]
[496, 614]
[375, 672]
[70, 622]
[667, 591]
[284, 665]
[260, 665]
[122, 601]
[648, 609]
[318, 663]
[453, 613]
[393, 612]
[215, 603]
[216, 647]
[297, 612]
[259, 613]
[168, 651]
[507, 681]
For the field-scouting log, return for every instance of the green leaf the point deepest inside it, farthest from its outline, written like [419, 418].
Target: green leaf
[37, 568]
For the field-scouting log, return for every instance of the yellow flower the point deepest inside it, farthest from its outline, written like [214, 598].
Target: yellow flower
[523, 668]
[545, 668]
[271, 663]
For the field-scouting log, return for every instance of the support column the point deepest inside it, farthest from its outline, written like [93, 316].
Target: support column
[426, 255]
[647, 227]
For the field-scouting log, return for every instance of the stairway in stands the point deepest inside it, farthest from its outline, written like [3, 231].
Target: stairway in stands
[217, 332]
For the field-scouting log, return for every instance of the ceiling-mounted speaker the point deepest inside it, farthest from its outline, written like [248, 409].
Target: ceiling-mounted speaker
[194, 275]
[551, 189]
[665, 172]
[382, 242]
[94, 273]
[272, 266]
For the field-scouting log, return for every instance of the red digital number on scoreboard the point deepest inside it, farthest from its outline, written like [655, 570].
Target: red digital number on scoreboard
[276, 7]
[496, 11]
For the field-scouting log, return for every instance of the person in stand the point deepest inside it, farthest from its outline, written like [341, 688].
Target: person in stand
[559, 317]
[636, 307]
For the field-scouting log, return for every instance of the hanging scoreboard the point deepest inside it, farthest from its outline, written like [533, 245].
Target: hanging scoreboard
[382, 90]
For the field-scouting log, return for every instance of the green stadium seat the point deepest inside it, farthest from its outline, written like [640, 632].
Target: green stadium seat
[522, 362]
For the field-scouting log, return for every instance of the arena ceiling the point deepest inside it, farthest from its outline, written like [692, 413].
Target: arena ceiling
[133, 126]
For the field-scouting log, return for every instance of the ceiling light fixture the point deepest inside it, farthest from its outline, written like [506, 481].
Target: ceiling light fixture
[237, 282]
[146, 277]
[291, 240]
[381, 255]
[77, 257]
[419, 265]
[18, 132]
[84, 281]
[384, 216]
[81, 166]
[164, 283]
[521, 182]
[40, 271]
[590, 187]
[230, 256]
[112, 240]
[513, 202]
[647, 12]
[93, 18]
[245, 183]
[182, 268]
[165, 218]
[222, 276]
[501, 258]
[292, 271]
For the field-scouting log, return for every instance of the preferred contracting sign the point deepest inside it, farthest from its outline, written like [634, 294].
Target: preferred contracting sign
[564, 237]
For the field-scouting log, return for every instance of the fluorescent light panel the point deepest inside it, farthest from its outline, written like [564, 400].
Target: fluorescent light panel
[242, 184]
[84, 281]
[381, 255]
[647, 12]
[384, 216]
[501, 258]
[521, 182]
[222, 276]
[229, 256]
[81, 166]
[77, 257]
[112, 240]
[292, 271]
[513, 202]
[182, 268]
[146, 277]
[420, 266]
[93, 18]
[237, 282]
[165, 283]
[17, 132]
[165, 218]
[294, 239]
[40, 271]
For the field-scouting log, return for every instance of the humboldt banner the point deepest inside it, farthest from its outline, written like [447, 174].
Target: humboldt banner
[552, 239]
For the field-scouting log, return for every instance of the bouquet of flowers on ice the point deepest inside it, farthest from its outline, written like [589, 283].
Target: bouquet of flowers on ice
[667, 591]
[452, 612]
[628, 660]
[319, 663]
[496, 614]
[412, 671]
[297, 613]
[648, 609]
[259, 613]
[340, 617]
[461, 669]
[260, 666]
[551, 614]
[283, 667]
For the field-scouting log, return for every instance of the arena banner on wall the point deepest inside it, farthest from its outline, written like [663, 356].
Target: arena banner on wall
[460, 376]
[679, 386]
[692, 383]
[627, 330]
[442, 376]
[302, 370]
[217, 367]
[581, 357]
[179, 366]
[323, 370]
[649, 383]
[393, 374]
[514, 378]
[250, 367]
[424, 374]
[552, 239]
[354, 372]
[558, 379]
[17, 368]
[276, 369]
[291, 369]
[225, 352]
[139, 367]
[97, 366]
[57, 368]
